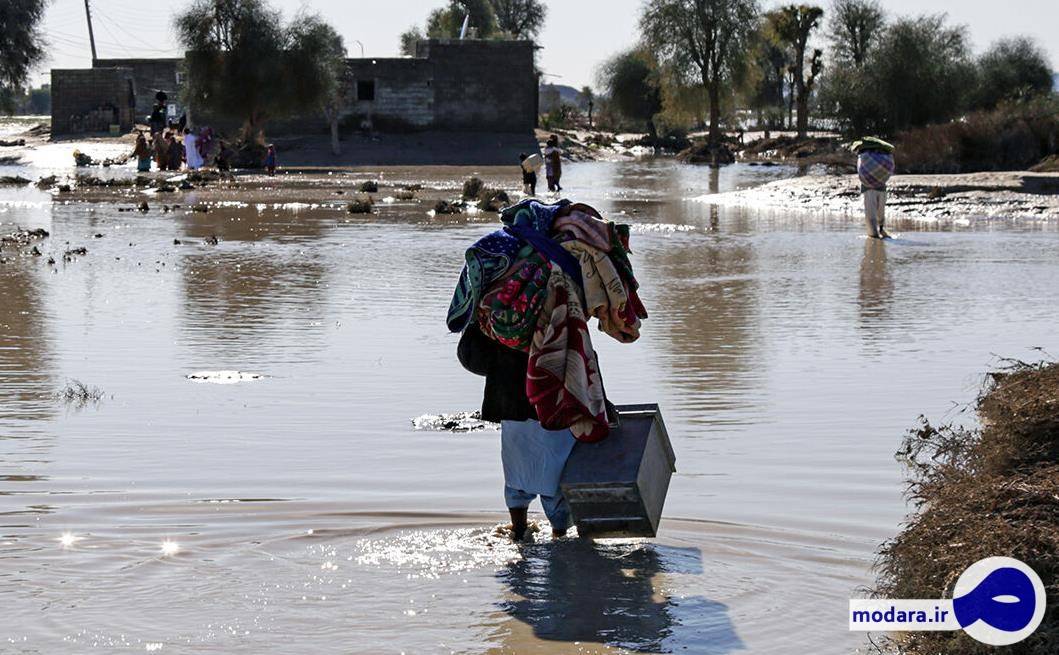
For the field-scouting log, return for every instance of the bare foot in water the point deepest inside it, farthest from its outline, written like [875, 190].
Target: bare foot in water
[519, 522]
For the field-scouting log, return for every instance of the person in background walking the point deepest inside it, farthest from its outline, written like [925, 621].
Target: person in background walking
[529, 174]
[142, 153]
[875, 165]
[270, 159]
[174, 152]
[161, 156]
[553, 163]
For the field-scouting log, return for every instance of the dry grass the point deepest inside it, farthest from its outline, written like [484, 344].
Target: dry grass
[992, 490]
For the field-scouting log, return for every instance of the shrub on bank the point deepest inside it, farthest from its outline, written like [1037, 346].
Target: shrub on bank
[1015, 136]
[982, 492]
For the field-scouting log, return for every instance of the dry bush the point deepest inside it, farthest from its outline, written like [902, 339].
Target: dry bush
[982, 492]
[1012, 137]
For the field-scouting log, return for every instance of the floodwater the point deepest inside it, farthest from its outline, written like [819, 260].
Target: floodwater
[283, 502]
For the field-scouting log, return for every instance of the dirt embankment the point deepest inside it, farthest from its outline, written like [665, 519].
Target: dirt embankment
[982, 492]
[933, 198]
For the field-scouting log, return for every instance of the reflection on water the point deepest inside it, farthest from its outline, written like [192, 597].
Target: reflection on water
[766, 330]
[575, 592]
[876, 285]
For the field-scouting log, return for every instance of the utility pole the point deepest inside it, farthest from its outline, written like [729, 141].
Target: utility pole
[91, 35]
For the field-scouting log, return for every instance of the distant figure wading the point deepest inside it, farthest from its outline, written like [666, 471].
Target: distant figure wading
[875, 165]
[553, 163]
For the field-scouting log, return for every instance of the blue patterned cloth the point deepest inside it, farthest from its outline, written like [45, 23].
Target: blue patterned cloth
[532, 214]
[486, 262]
[490, 257]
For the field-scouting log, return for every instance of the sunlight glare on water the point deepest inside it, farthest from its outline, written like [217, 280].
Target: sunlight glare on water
[263, 467]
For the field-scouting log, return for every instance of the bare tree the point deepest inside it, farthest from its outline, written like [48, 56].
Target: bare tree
[792, 25]
[522, 19]
[855, 26]
[705, 40]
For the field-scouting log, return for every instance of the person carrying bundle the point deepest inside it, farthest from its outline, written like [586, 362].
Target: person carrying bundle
[875, 165]
[522, 303]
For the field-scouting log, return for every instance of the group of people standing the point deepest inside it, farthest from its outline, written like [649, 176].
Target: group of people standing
[553, 167]
[170, 150]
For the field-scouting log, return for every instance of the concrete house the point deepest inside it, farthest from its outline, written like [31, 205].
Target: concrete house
[465, 85]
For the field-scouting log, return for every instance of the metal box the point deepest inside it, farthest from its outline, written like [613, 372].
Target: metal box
[616, 487]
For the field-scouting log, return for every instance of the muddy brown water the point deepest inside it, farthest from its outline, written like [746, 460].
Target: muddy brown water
[299, 510]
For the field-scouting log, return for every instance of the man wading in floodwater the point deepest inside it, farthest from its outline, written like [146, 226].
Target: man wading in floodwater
[875, 165]
[523, 303]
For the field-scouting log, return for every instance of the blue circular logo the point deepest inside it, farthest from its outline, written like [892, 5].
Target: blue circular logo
[999, 601]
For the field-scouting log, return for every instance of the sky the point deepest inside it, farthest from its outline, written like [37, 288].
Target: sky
[578, 34]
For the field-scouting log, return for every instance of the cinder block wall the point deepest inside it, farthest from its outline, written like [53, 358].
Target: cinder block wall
[150, 76]
[472, 85]
[82, 99]
[483, 85]
[404, 91]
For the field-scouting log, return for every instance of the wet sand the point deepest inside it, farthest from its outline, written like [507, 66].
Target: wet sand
[925, 198]
[298, 504]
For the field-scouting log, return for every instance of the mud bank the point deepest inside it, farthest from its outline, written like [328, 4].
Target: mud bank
[928, 198]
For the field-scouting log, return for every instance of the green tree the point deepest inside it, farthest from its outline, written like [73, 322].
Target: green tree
[703, 40]
[242, 62]
[521, 19]
[855, 26]
[1011, 69]
[316, 66]
[630, 79]
[447, 22]
[21, 46]
[765, 85]
[409, 39]
[793, 25]
[921, 72]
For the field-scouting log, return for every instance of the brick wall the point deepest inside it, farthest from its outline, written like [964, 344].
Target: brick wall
[150, 76]
[91, 99]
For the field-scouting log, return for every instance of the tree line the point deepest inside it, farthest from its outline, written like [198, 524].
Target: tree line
[862, 70]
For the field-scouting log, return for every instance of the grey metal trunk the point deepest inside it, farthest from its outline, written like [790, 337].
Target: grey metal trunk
[616, 487]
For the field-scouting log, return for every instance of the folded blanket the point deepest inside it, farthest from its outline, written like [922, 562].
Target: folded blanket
[562, 378]
[874, 169]
[509, 310]
[486, 262]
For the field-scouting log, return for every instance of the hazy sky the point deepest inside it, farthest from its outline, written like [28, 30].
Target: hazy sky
[577, 36]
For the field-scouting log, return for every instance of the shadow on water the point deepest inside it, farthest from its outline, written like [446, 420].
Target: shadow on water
[580, 592]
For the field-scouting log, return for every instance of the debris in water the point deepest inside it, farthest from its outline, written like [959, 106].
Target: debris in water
[79, 395]
[70, 254]
[456, 422]
[223, 377]
[23, 237]
[360, 206]
[446, 207]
